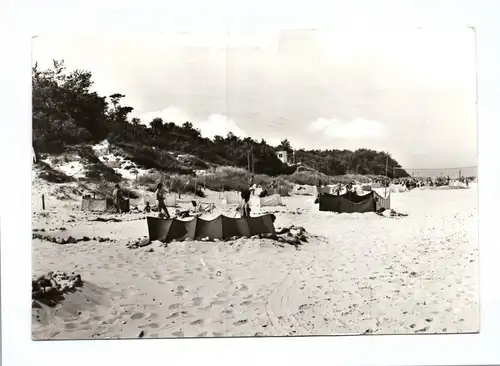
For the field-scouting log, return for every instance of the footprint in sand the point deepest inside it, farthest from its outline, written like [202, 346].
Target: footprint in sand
[243, 288]
[175, 306]
[226, 312]
[217, 302]
[174, 315]
[197, 322]
[137, 316]
[97, 318]
[152, 316]
[178, 334]
[69, 326]
[218, 334]
[248, 297]
[222, 294]
[204, 334]
[197, 301]
[241, 322]
[246, 303]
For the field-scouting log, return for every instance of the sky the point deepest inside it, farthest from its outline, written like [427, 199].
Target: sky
[407, 91]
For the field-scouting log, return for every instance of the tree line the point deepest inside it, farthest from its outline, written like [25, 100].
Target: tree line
[66, 112]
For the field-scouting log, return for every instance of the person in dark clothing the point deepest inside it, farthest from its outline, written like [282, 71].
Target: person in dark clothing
[117, 198]
[244, 207]
[160, 200]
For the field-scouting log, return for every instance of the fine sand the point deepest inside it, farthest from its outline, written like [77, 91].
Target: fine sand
[359, 273]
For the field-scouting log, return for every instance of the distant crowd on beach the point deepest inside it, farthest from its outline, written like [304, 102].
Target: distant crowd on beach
[409, 183]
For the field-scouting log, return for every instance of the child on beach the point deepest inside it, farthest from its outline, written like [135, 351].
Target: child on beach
[244, 207]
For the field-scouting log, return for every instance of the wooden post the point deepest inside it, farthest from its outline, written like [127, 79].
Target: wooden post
[43, 201]
[253, 163]
[386, 162]
[94, 195]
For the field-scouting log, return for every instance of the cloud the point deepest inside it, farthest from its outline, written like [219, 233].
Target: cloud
[218, 124]
[215, 124]
[359, 128]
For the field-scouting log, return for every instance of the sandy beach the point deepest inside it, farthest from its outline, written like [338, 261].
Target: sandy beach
[357, 274]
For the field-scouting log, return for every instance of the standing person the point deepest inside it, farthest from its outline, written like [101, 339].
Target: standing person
[117, 198]
[160, 200]
[244, 207]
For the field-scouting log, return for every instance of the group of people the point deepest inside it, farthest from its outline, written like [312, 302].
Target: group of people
[409, 183]
[161, 193]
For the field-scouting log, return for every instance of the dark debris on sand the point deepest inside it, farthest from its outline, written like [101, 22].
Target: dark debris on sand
[68, 240]
[48, 289]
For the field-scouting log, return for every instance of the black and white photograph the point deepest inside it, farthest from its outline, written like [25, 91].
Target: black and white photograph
[254, 184]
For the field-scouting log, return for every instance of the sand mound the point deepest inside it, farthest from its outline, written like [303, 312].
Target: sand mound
[69, 304]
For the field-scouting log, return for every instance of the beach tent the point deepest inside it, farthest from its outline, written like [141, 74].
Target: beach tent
[283, 191]
[274, 200]
[220, 228]
[395, 188]
[305, 190]
[232, 198]
[103, 205]
[327, 189]
[352, 202]
[458, 184]
[367, 187]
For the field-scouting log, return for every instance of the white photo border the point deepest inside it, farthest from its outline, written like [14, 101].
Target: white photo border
[24, 19]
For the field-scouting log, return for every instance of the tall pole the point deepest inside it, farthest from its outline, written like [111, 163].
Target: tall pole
[253, 163]
[386, 163]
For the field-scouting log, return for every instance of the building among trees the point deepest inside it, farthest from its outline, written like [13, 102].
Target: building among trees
[283, 156]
